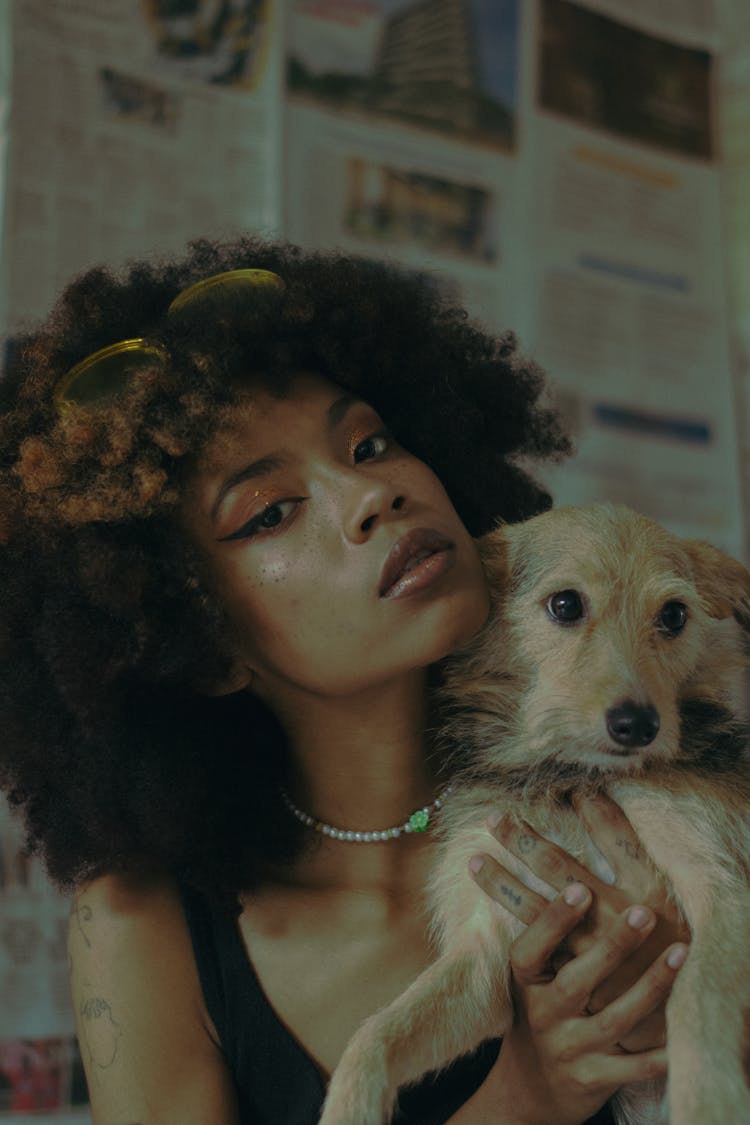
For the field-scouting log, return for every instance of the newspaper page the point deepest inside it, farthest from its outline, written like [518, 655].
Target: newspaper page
[735, 149]
[137, 125]
[626, 281]
[402, 125]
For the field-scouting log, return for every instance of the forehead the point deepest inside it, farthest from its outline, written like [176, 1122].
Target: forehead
[262, 417]
[586, 549]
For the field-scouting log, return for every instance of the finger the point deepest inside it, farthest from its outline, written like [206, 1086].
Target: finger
[547, 861]
[532, 952]
[613, 835]
[505, 889]
[618, 1019]
[614, 1071]
[578, 979]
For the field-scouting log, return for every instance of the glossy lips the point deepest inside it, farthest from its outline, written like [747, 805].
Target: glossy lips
[406, 555]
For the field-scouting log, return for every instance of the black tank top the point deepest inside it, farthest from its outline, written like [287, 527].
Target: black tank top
[276, 1080]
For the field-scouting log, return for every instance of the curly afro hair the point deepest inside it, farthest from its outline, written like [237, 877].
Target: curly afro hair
[106, 618]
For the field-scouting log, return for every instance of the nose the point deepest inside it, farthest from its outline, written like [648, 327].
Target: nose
[376, 501]
[371, 509]
[633, 724]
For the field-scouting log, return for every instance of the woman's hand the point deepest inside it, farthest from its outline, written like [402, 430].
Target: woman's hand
[559, 1062]
[590, 974]
[636, 882]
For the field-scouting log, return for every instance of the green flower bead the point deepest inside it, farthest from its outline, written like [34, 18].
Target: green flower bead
[419, 820]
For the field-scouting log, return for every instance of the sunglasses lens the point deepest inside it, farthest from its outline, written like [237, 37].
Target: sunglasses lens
[103, 375]
[220, 287]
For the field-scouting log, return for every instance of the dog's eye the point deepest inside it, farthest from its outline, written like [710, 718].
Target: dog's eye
[565, 606]
[672, 618]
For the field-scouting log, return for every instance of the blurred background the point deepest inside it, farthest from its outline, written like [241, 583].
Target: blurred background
[578, 171]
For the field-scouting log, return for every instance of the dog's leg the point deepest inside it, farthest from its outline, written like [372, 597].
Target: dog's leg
[706, 1021]
[459, 1001]
[709, 1006]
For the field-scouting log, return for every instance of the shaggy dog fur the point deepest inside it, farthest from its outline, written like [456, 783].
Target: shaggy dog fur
[537, 705]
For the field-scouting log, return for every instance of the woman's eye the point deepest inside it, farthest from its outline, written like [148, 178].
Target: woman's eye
[271, 517]
[372, 446]
[672, 618]
[565, 606]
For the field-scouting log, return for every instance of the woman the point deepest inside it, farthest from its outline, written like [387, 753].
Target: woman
[226, 589]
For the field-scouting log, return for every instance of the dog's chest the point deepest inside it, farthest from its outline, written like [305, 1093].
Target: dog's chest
[459, 904]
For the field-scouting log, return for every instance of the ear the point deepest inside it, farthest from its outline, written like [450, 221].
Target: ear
[722, 582]
[494, 551]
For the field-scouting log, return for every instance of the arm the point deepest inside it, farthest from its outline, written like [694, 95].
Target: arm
[145, 1038]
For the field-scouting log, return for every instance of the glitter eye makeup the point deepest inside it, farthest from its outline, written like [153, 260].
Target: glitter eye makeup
[272, 516]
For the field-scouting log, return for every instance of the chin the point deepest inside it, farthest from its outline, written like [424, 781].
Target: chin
[464, 622]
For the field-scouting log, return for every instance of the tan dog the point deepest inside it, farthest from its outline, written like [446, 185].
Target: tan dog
[614, 660]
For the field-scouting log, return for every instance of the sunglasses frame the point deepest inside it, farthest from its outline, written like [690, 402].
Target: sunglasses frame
[99, 361]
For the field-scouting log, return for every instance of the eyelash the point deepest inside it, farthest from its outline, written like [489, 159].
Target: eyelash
[254, 526]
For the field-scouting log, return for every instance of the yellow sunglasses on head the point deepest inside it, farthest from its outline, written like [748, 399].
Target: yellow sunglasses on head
[101, 375]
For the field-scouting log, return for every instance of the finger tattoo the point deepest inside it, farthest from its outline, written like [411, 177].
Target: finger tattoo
[630, 847]
[510, 894]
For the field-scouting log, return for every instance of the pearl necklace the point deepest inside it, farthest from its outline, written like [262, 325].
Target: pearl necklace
[417, 822]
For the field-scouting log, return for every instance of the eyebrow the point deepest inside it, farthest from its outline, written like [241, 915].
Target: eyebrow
[264, 466]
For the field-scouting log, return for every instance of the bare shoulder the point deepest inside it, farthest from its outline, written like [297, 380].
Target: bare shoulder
[149, 1049]
[145, 906]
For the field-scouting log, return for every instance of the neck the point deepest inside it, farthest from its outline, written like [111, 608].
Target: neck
[360, 763]
[361, 760]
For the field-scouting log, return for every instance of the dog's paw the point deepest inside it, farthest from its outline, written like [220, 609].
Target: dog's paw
[643, 1104]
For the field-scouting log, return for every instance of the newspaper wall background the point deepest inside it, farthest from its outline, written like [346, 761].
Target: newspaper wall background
[557, 163]
[134, 131]
[514, 149]
[408, 154]
[627, 292]
[735, 137]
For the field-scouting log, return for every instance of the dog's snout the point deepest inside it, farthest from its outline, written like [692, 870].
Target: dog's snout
[633, 724]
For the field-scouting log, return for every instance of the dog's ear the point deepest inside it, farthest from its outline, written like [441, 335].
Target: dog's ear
[722, 582]
[494, 551]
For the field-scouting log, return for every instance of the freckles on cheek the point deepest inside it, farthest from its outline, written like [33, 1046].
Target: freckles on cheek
[270, 573]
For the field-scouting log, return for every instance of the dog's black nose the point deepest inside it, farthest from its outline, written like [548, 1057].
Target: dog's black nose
[633, 724]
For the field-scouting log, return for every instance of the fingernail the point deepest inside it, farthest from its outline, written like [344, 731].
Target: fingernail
[493, 820]
[476, 863]
[575, 894]
[638, 917]
[676, 957]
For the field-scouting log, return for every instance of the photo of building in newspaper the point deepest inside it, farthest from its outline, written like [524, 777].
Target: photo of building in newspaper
[443, 65]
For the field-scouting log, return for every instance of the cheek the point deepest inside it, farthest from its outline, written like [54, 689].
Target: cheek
[284, 609]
